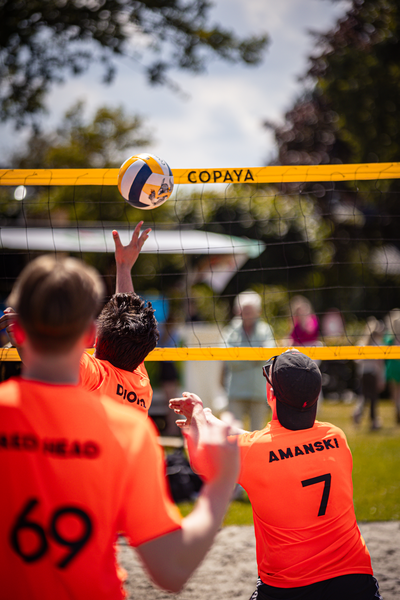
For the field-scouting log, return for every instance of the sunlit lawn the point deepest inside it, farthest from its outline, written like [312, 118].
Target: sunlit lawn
[376, 471]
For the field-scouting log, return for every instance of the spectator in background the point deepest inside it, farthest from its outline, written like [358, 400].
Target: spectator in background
[392, 338]
[390, 318]
[332, 324]
[372, 374]
[305, 330]
[246, 393]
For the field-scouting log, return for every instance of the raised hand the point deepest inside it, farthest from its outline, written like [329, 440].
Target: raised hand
[126, 256]
[212, 454]
[184, 406]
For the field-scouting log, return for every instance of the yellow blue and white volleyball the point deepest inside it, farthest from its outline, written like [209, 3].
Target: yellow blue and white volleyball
[145, 181]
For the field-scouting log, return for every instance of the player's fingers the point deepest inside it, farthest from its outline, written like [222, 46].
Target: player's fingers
[6, 320]
[145, 233]
[117, 240]
[180, 402]
[136, 232]
[193, 398]
[182, 423]
[175, 402]
[143, 238]
[181, 409]
[177, 408]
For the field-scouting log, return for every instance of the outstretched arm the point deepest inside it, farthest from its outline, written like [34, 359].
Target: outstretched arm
[126, 256]
[172, 558]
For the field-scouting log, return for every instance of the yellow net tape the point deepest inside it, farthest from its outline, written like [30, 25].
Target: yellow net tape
[262, 354]
[301, 173]
[280, 174]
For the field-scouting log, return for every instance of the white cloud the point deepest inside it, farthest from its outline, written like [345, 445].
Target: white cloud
[220, 123]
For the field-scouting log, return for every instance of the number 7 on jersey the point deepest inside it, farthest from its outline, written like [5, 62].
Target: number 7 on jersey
[326, 479]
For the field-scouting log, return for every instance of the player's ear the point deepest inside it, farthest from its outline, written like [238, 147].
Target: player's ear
[18, 332]
[270, 393]
[90, 336]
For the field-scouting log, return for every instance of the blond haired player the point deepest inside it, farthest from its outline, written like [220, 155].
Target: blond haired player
[297, 473]
[76, 470]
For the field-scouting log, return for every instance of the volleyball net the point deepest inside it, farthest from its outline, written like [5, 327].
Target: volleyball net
[312, 242]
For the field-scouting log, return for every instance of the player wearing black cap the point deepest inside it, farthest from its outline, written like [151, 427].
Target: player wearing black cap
[297, 474]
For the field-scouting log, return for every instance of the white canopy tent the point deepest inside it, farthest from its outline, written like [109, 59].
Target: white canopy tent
[100, 240]
[227, 254]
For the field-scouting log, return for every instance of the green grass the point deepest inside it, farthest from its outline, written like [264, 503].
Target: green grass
[376, 460]
[376, 466]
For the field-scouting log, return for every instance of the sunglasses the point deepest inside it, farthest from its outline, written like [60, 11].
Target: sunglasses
[267, 369]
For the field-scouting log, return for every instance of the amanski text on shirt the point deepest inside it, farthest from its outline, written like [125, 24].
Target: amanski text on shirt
[319, 446]
[130, 396]
[55, 447]
[221, 176]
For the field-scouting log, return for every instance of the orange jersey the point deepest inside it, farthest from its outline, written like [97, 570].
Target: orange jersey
[130, 388]
[300, 487]
[75, 471]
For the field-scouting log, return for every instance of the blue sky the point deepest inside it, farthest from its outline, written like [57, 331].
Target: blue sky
[219, 124]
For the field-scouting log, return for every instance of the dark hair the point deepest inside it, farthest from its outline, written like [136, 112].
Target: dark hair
[126, 331]
[56, 299]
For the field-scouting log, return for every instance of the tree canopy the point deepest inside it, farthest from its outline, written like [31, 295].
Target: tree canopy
[349, 109]
[78, 142]
[348, 113]
[104, 141]
[42, 42]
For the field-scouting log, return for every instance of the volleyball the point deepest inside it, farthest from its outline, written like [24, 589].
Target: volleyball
[145, 181]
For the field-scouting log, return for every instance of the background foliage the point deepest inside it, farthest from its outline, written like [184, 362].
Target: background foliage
[348, 112]
[336, 243]
[42, 42]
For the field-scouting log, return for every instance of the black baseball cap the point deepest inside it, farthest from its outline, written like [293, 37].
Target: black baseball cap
[296, 380]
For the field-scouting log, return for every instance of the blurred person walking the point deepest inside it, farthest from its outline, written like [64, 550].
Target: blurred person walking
[392, 338]
[372, 374]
